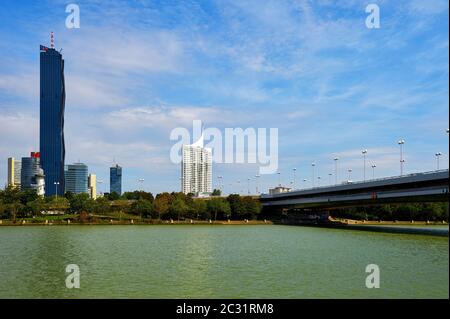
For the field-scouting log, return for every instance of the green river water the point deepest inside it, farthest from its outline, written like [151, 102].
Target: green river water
[219, 261]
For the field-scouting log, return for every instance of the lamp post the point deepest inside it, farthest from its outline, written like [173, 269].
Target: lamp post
[318, 181]
[304, 181]
[313, 173]
[100, 182]
[294, 170]
[364, 153]
[438, 154]
[141, 180]
[329, 178]
[335, 170]
[349, 174]
[220, 183]
[401, 142]
[373, 171]
[56, 189]
[279, 178]
[248, 186]
[257, 183]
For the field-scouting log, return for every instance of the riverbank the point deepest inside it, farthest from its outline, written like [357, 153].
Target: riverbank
[398, 227]
[133, 222]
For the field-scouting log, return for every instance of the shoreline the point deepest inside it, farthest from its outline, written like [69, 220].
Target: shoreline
[416, 228]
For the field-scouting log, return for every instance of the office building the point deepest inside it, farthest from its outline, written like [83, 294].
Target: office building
[196, 169]
[32, 175]
[76, 178]
[14, 168]
[52, 104]
[92, 185]
[115, 179]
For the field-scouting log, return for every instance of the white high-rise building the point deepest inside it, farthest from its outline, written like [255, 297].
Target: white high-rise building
[196, 168]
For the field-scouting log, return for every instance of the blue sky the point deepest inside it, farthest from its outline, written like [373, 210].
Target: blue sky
[137, 69]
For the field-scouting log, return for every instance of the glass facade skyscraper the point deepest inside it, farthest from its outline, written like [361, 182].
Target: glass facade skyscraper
[76, 178]
[115, 179]
[32, 175]
[52, 104]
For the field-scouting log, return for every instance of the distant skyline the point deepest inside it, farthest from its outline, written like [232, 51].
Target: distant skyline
[137, 69]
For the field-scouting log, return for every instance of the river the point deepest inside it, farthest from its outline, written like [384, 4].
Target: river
[219, 261]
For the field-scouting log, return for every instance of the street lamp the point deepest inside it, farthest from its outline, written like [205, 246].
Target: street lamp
[364, 153]
[304, 181]
[248, 186]
[335, 170]
[141, 180]
[401, 142]
[349, 174]
[373, 171]
[318, 181]
[56, 189]
[313, 173]
[329, 178]
[220, 183]
[257, 183]
[294, 169]
[279, 178]
[438, 154]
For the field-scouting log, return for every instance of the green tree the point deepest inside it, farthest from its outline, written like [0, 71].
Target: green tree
[252, 207]
[142, 207]
[80, 203]
[161, 204]
[216, 192]
[236, 205]
[197, 209]
[218, 208]
[101, 206]
[36, 206]
[178, 208]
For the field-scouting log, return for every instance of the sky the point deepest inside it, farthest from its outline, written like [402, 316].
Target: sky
[136, 70]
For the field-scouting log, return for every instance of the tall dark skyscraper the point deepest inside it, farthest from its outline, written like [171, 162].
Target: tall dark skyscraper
[52, 103]
[115, 179]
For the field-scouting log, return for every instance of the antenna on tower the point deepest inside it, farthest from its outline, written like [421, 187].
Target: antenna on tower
[52, 40]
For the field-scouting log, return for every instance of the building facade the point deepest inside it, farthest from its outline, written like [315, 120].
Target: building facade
[32, 175]
[115, 179]
[76, 178]
[92, 185]
[14, 169]
[196, 169]
[52, 104]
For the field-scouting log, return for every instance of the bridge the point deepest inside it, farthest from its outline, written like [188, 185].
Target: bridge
[419, 187]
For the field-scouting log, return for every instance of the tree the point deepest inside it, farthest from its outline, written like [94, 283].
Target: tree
[36, 206]
[101, 206]
[142, 207]
[236, 206]
[219, 208]
[178, 208]
[81, 203]
[197, 209]
[216, 192]
[252, 207]
[161, 204]
[112, 196]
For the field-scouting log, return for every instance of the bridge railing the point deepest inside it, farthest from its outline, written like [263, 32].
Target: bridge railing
[368, 180]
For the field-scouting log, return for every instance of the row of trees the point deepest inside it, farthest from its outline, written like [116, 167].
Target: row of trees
[435, 211]
[16, 203]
